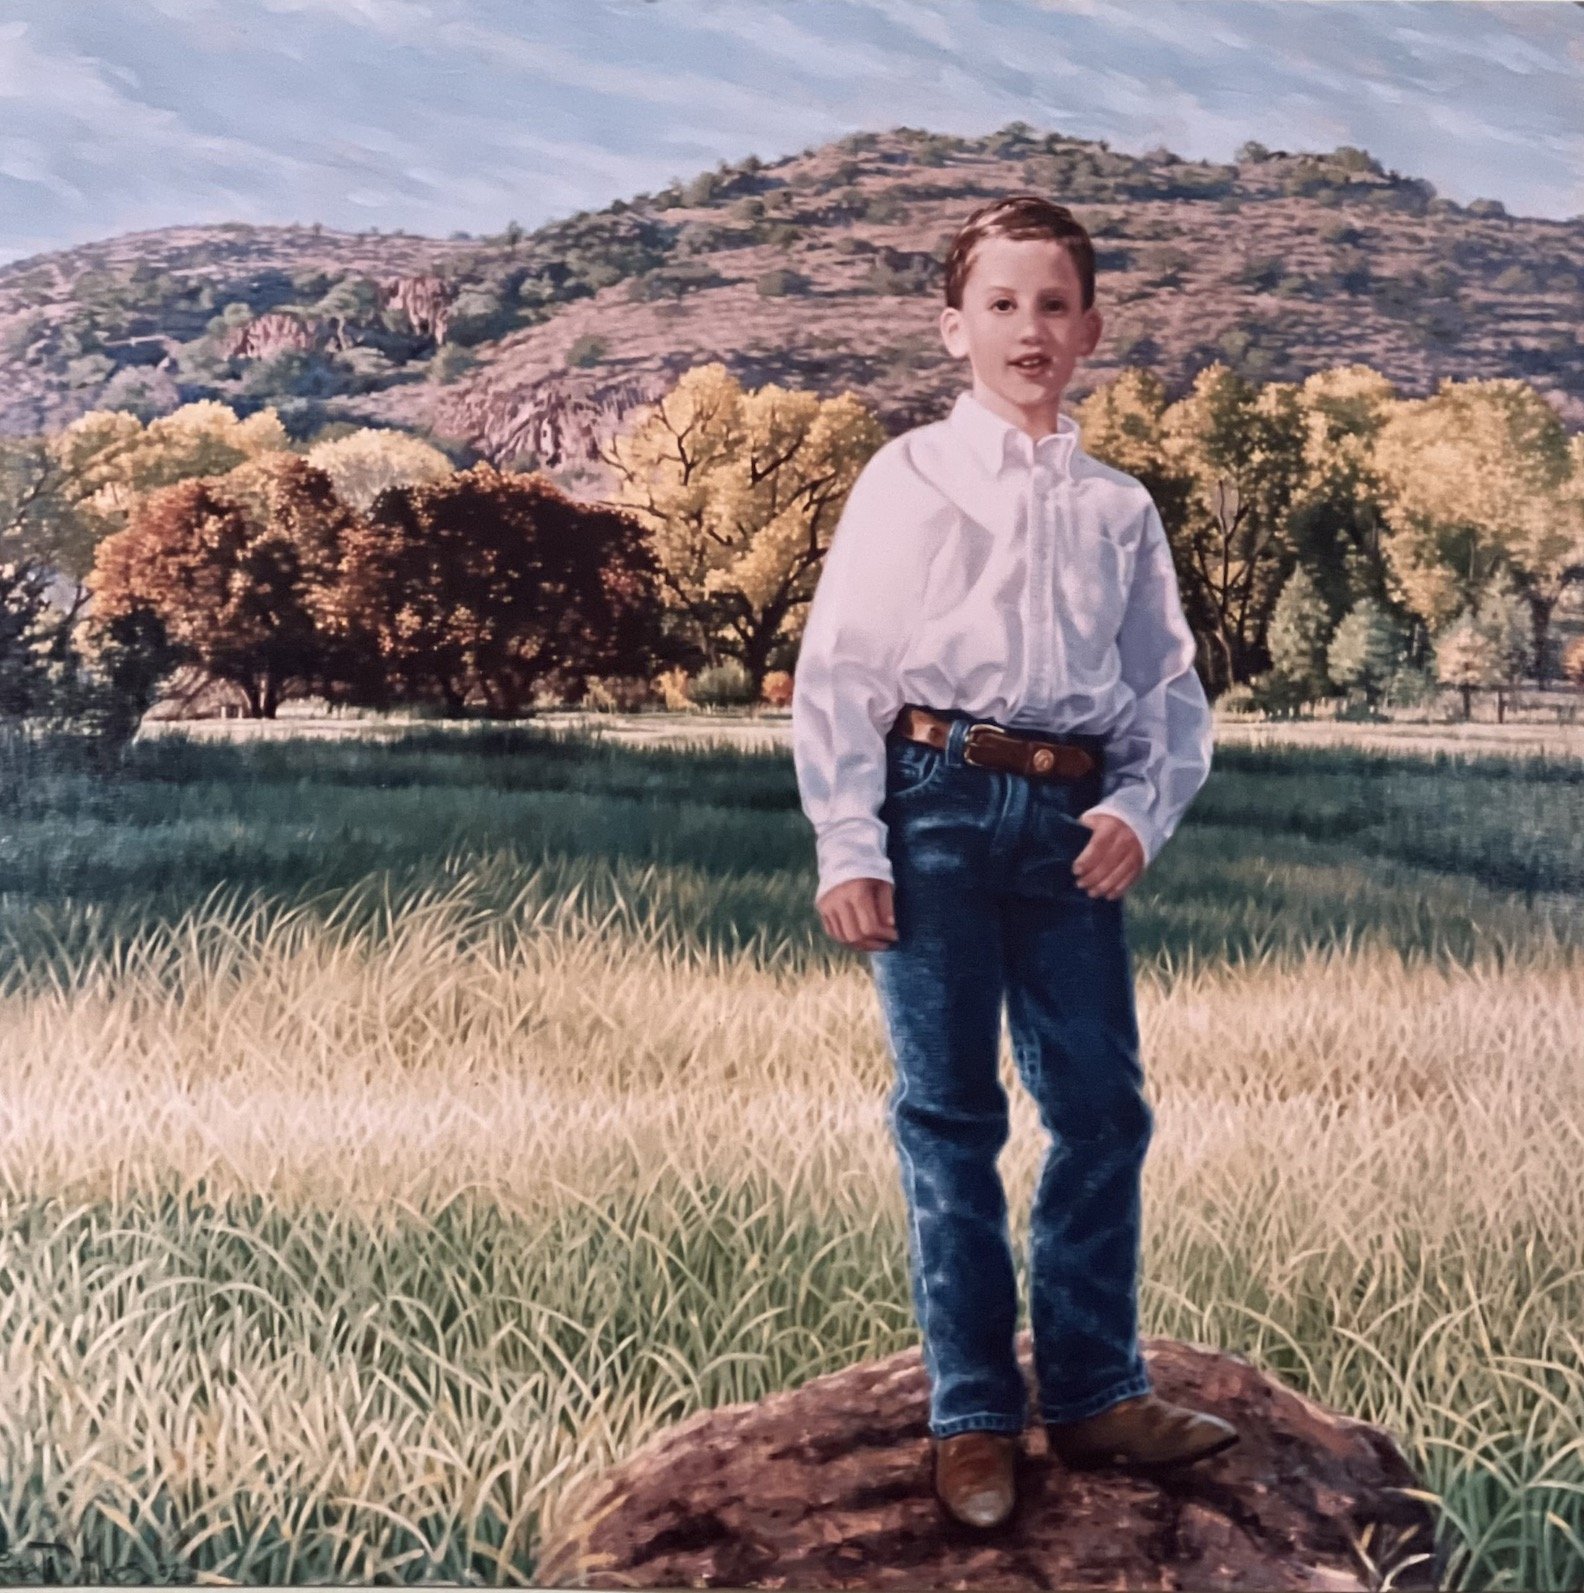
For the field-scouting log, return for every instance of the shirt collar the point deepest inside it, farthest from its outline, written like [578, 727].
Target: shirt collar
[993, 439]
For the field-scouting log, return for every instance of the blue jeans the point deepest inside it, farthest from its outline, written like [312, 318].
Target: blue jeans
[986, 906]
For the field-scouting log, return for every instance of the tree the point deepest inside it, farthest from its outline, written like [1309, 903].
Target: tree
[1479, 476]
[1367, 647]
[1506, 619]
[489, 583]
[1464, 658]
[108, 458]
[1300, 636]
[362, 464]
[1239, 452]
[24, 675]
[1338, 522]
[241, 571]
[353, 299]
[1124, 424]
[739, 493]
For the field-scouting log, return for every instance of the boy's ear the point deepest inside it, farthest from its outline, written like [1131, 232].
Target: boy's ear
[1095, 322]
[951, 331]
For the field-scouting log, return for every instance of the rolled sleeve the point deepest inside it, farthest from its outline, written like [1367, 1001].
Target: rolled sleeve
[845, 690]
[1158, 760]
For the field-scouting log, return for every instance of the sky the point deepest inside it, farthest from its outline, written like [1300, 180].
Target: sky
[436, 116]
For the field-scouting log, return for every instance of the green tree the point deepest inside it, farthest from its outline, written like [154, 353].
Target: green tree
[1506, 618]
[1367, 647]
[1300, 635]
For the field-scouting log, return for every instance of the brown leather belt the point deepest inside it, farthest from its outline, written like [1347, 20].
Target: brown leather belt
[988, 746]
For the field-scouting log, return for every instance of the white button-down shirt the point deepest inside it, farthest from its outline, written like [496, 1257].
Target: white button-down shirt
[1025, 582]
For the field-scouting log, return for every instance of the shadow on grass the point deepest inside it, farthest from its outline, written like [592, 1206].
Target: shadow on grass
[1283, 848]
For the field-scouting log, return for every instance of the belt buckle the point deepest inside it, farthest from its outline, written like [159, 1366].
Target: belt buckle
[968, 742]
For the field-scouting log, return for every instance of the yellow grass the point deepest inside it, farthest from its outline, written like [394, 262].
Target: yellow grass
[1365, 1176]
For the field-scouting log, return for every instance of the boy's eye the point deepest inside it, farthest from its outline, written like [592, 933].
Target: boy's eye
[1050, 304]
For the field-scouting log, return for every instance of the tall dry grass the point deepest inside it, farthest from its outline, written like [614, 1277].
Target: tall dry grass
[347, 1246]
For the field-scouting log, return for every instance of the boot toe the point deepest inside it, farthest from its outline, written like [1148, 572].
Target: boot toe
[976, 1477]
[987, 1508]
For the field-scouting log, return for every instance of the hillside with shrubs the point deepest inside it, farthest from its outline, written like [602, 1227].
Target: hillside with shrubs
[820, 271]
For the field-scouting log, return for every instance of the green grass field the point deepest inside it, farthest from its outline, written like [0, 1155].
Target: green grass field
[396, 1133]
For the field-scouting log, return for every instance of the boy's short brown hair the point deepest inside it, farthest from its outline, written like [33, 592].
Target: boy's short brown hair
[1021, 215]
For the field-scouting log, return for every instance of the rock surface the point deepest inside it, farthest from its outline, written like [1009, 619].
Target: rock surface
[561, 419]
[830, 1486]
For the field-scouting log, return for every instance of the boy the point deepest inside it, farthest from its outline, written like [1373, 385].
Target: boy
[996, 726]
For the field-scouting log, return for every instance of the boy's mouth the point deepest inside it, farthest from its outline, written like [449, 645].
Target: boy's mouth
[1031, 362]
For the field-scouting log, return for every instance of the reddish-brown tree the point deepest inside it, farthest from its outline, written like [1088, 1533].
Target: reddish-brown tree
[487, 582]
[242, 573]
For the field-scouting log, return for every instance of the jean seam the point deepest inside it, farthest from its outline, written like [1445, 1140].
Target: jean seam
[978, 1421]
[1077, 1410]
[912, 1204]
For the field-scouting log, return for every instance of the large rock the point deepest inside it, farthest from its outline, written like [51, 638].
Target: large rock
[829, 1486]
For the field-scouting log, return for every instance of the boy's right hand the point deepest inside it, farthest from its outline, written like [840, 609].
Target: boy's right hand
[859, 913]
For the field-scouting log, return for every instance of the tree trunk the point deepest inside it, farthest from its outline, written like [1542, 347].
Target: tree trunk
[1540, 608]
[756, 657]
[1501, 704]
[1468, 701]
[1223, 651]
[455, 701]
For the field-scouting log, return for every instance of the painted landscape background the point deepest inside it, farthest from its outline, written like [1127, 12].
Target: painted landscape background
[425, 1075]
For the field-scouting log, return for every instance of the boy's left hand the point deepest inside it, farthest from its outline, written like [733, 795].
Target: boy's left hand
[1112, 860]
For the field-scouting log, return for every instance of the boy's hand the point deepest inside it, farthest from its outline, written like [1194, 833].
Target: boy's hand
[1113, 858]
[859, 913]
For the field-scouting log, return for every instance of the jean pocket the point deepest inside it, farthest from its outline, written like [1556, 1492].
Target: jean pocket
[913, 766]
[1057, 818]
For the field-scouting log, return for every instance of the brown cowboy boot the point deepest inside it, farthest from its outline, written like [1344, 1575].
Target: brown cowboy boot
[975, 1476]
[1145, 1431]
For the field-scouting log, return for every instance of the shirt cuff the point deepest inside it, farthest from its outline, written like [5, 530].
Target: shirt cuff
[852, 848]
[1129, 809]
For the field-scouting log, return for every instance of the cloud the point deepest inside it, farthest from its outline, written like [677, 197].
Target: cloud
[434, 115]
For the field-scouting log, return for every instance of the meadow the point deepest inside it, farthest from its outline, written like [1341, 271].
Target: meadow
[396, 1131]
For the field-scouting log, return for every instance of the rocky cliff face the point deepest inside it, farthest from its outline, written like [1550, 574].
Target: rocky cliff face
[426, 299]
[274, 333]
[561, 420]
[830, 1486]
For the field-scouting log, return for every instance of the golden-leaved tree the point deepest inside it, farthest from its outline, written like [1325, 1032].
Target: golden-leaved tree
[1482, 477]
[1239, 449]
[364, 463]
[739, 493]
[108, 458]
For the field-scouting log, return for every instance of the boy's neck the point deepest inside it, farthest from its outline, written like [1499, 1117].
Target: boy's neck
[1038, 420]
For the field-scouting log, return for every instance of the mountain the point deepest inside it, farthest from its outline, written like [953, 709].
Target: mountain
[821, 270]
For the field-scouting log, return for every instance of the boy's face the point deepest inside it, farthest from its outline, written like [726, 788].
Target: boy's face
[1022, 297]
